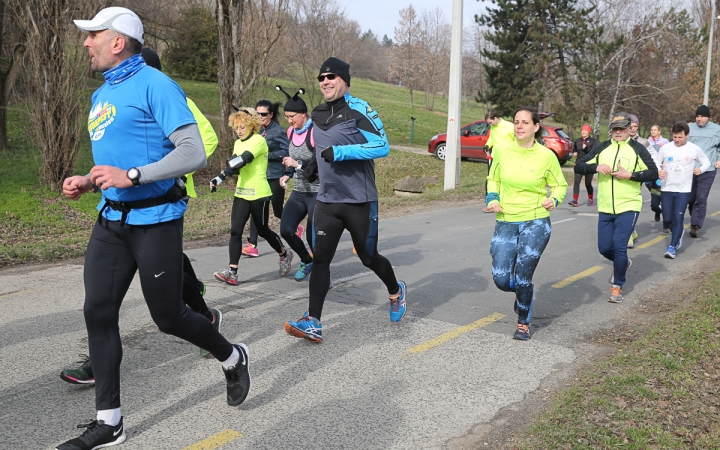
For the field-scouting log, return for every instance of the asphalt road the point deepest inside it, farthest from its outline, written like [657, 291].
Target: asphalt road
[449, 365]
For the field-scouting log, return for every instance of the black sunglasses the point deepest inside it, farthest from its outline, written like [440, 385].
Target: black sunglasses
[330, 76]
[265, 114]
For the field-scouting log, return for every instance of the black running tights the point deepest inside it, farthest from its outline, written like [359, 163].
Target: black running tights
[331, 219]
[588, 184]
[277, 200]
[242, 210]
[114, 254]
[192, 289]
[299, 205]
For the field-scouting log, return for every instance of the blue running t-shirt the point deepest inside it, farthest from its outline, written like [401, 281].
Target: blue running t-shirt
[129, 125]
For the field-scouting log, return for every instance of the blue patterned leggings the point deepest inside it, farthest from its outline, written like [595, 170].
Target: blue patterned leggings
[516, 248]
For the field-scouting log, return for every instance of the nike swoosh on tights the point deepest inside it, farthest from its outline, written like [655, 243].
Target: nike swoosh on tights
[158, 274]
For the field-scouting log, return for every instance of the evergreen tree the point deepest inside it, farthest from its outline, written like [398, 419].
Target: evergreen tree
[192, 54]
[535, 44]
[512, 82]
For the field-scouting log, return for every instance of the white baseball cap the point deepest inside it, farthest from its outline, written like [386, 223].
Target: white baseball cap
[114, 18]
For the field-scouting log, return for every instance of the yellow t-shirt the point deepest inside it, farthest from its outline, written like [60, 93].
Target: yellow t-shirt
[252, 180]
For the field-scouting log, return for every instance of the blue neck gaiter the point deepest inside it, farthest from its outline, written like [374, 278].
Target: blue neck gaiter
[125, 69]
[304, 128]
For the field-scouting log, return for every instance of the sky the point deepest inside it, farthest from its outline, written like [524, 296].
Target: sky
[382, 16]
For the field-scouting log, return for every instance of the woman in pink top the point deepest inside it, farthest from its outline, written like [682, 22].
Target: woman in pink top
[656, 136]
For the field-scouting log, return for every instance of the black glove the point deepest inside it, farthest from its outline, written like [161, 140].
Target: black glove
[327, 154]
[217, 181]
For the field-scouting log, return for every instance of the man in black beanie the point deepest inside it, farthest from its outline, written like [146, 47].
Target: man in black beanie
[348, 137]
[706, 135]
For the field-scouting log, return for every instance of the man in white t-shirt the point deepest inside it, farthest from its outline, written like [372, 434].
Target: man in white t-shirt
[677, 162]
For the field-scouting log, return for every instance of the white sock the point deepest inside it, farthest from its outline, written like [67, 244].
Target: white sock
[109, 416]
[232, 360]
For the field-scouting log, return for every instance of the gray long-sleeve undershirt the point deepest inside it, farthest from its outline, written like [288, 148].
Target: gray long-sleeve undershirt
[188, 156]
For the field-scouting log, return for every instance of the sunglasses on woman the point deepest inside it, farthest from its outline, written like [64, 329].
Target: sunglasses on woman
[330, 76]
[264, 114]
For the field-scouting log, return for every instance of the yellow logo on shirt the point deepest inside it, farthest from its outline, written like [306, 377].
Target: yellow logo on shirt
[101, 116]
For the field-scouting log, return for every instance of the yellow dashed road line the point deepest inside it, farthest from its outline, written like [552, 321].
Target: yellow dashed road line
[450, 335]
[574, 278]
[215, 441]
[652, 242]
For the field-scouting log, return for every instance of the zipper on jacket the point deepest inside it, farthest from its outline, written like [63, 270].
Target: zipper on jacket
[612, 178]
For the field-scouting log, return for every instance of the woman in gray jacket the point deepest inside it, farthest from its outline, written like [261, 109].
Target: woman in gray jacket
[277, 142]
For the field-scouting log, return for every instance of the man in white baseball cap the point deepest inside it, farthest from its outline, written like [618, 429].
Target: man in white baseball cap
[117, 19]
[143, 137]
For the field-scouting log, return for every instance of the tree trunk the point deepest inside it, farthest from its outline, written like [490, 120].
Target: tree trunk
[618, 85]
[228, 13]
[3, 80]
[596, 109]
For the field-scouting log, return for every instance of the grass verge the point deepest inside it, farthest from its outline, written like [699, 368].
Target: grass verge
[659, 392]
[38, 225]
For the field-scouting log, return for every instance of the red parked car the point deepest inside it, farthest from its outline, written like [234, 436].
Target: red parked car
[474, 136]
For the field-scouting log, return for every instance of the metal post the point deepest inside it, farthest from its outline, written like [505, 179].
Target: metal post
[709, 58]
[412, 127]
[452, 149]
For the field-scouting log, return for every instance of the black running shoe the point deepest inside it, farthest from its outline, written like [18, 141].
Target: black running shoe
[238, 378]
[96, 435]
[657, 216]
[80, 375]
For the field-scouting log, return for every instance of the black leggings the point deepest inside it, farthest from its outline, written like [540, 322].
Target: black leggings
[277, 200]
[114, 254]
[299, 205]
[192, 289]
[588, 184]
[241, 211]
[331, 219]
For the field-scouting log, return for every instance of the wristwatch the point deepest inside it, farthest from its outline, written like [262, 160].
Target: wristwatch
[299, 163]
[134, 175]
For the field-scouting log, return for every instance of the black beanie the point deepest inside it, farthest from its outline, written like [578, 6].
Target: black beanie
[338, 67]
[702, 111]
[294, 103]
[151, 58]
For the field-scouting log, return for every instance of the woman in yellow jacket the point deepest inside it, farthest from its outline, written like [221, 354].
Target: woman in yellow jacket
[517, 194]
[252, 194]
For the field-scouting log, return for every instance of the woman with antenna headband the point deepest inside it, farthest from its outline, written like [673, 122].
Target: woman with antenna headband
[305, 186]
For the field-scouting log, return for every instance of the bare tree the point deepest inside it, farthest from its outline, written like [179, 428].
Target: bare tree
[320, 29]
[405, 54]
[434, 54]
[56, 62]
[9, 74]
[245, 50]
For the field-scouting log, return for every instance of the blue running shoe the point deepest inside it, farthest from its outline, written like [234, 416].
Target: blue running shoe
[522, 333]
[307, 327]
[397, 305]
[303, 272]
[670, 252]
